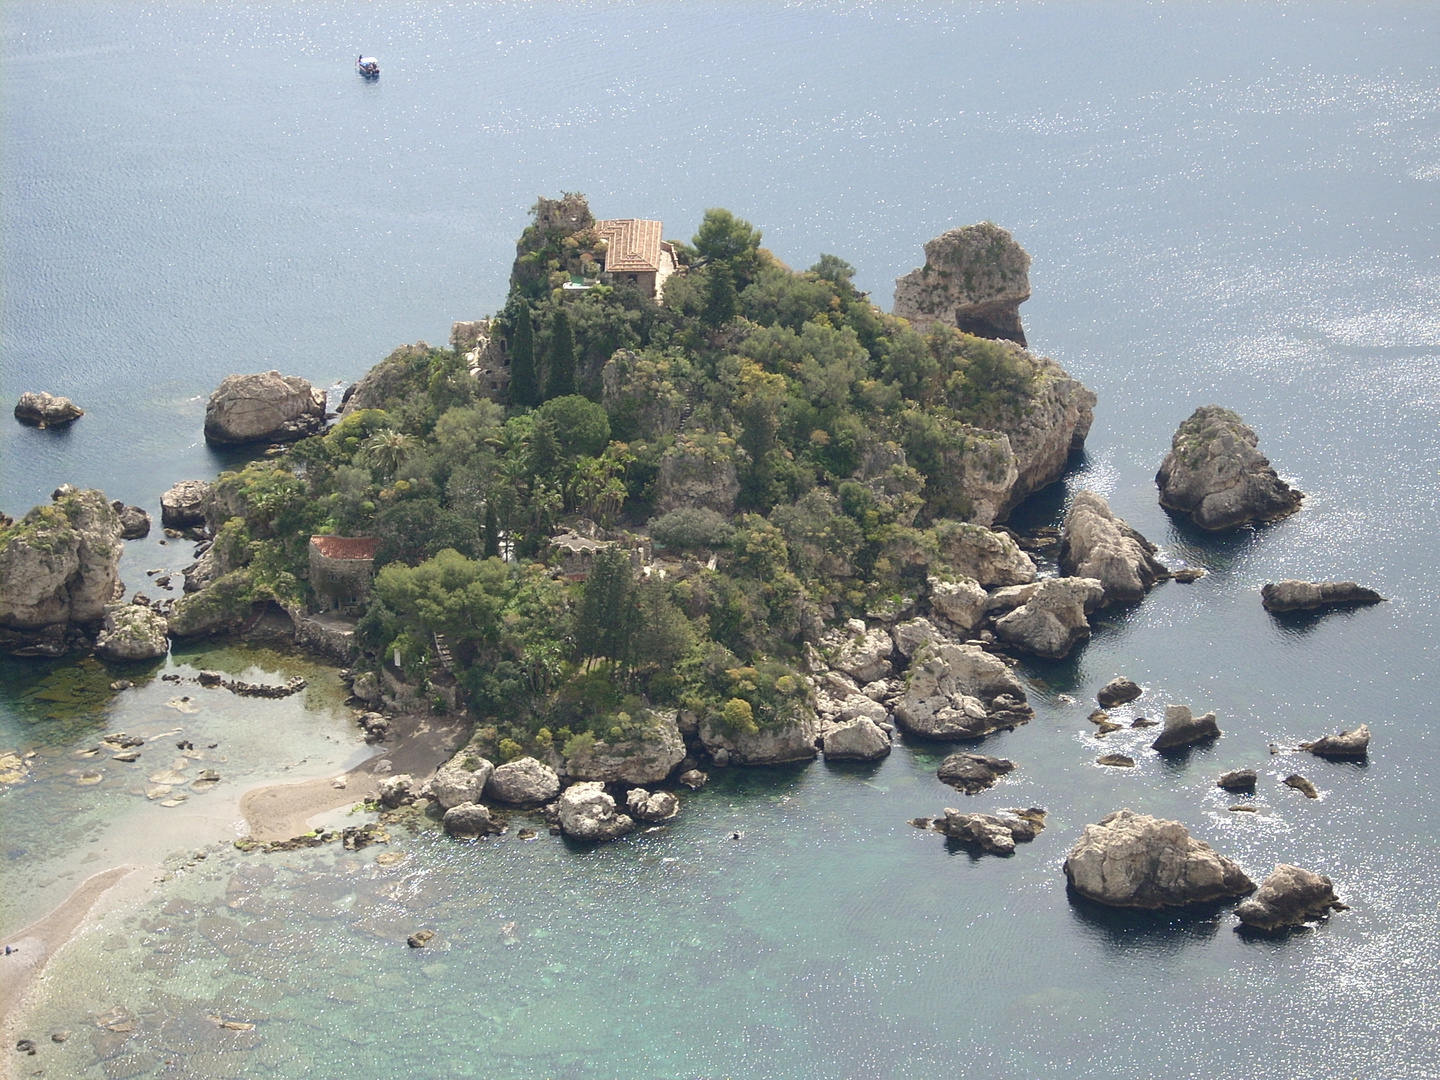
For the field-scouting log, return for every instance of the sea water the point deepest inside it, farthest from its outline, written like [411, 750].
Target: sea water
[1225, 203]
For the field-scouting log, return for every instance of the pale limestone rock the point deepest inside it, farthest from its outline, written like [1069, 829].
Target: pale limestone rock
[647, 753]
[987, 557]
[264, 407]
[132, 632]
[1289, 897]
[1134, 860]
[1054, 618]
[859, 740]
[60, 563]
[652, 807]
[524, 782]
[960, 603]
[975, 278]
[586, 812]
[1215, 474]
[1096, 544]
[462, 779]
[960, 692]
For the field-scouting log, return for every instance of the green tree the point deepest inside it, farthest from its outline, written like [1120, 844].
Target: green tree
[524, 378]
[491, 532]
[720, 296]
[724, 238]
[386, 451]
[560, 381]
[581, 427]
[606, 622]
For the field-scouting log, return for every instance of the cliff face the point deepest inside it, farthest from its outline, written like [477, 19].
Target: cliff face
[975, 278]
[1053, 426]
[60, 563]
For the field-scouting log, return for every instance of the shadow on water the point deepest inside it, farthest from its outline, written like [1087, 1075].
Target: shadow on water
[1177, 759]
[1167, 930]
[1297, 624]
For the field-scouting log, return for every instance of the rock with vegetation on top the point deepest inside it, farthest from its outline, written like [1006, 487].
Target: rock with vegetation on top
[960, 604]
[222, 606]
[586, 812]
[1215, 474]
[1118, 691]
[1348, 744]
[973, 773]
[859, 740]
[1134, 860]
[1096, 544]
[468, 820]
[183, 505]
[523, 782]
[1183, 728]
[1055, 617]
[993, 833]
[462, 779]
[911, 634]
[1289, 897]
[960, 692]
[975, 278]
[652, 807]
[132, 632]
[646, 752]
[60, 563]
[987, 557]
[861, 652]
[788, 738]
[44, 410]
[1290, 595]
[698, 471]
[134, 521]
[264, 407]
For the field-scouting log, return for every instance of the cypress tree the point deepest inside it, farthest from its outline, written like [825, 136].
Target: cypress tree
[561, 380]
[606, 620]
[492, 532]
[524, 379]
[720, 299]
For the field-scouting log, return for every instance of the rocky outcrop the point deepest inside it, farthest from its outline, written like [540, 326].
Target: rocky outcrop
[469, 821]
[652, 807]
[960, 692]
[909, 636]
[993, 833]
[134, 521]
[220, 607]
[861, 652]
[1094, 543]
[1052, 425]
[960, 604]
[987, 557]
[1118, 691]
[132, 632]
[1134, 860]
[1289, 897]
[60, 563]
[460, 780]
[975, 278]
[1182, 728]
[790, 739]
[183, 505]
[1300, 784]
[586, 812]
[1215, 474]
[44, 410]
[1237, 780]
[1290, 595]
[973, 773]
[1054, 618]
[858, 740]
[265, 407]
[524, 782]
[397, 790]
[647, 754]
[1348, 745]
[698, 471]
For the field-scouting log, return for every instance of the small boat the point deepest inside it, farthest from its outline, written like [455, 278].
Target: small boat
[368, 67]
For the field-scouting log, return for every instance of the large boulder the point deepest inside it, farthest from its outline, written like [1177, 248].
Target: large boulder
[60, 563]
[911, 634]
[973, 773]
[132, 632]
[586, 812]
[265, 407]
[1094, 543]
[859, 740]
[1134, 860]
[1291, 595]
[960, 604]
[469, 821]
[1054, 618]
[460, 780]
[1215, 474]
[1183, 728]
[524, 782]
[994, 833]
[987, 557]
[975, 278]
[859, 651]
[44, 410]
[183, 505]
[652, 807]
[1289, 897]
[960, 692]
[1118, 691]
[134, 521]
[646, 753]
[791, 738]
[1346, 745]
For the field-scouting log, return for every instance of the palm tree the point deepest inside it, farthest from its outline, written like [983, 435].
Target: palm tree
[386, 450]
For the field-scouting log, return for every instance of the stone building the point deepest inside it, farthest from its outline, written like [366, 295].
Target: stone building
[341, 569]
[636, 255]
[485, 355]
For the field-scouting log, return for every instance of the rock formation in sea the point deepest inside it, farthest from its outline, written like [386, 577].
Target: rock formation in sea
[860, 739]
[1054, 617]
[134, 521]
[587, 812]
[973, 773]
[788, 739]
[183, 504]
[960, 692]
[996, 834]
[1118, 691]
[59, 564]
[1183, 728]
[1238, 780]
[1289, 897]
[524, 782]
[1096, 544]
[462, 779]
[469, 821]
[1135, 860]
[264, 407]
[651, 807]
[1354, 744]
[1291, 595]
[132, 632]
[975, 278]
[1215, 474]
[44, 410]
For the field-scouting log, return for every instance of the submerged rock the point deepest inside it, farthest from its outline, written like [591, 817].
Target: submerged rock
[1118, 691]
[1348, 744]
[1097, 544]
[973, 773]
[1054, 619]
[524, 782]
[1291, 595]
[1116, 761]
[1134, 860]
[44, 410]
[1289, 897]
[1182, 728]
[994, 833]
[960, 692]
[586, 812]
[264, 407]
[1215, 474]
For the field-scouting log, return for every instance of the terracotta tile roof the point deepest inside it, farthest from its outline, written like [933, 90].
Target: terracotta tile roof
[634, 245]
[345, 547]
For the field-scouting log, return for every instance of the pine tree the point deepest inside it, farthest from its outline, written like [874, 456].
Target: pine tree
[561, 380]
[524, 379]
[720, 299]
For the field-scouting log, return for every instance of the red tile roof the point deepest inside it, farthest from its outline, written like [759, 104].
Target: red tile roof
[346, 547]
[634, 244]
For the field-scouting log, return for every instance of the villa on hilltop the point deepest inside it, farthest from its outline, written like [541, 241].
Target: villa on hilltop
[635, 254]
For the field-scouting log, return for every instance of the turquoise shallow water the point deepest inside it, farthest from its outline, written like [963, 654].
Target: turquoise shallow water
[1225, 203]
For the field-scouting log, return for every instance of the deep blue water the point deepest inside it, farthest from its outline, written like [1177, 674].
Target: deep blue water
[1224, 203]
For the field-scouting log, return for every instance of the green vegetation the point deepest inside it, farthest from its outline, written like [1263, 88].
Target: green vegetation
[789, 449]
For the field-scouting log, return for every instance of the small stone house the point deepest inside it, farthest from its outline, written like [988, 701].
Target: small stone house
[635, 254]
[341, 569]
